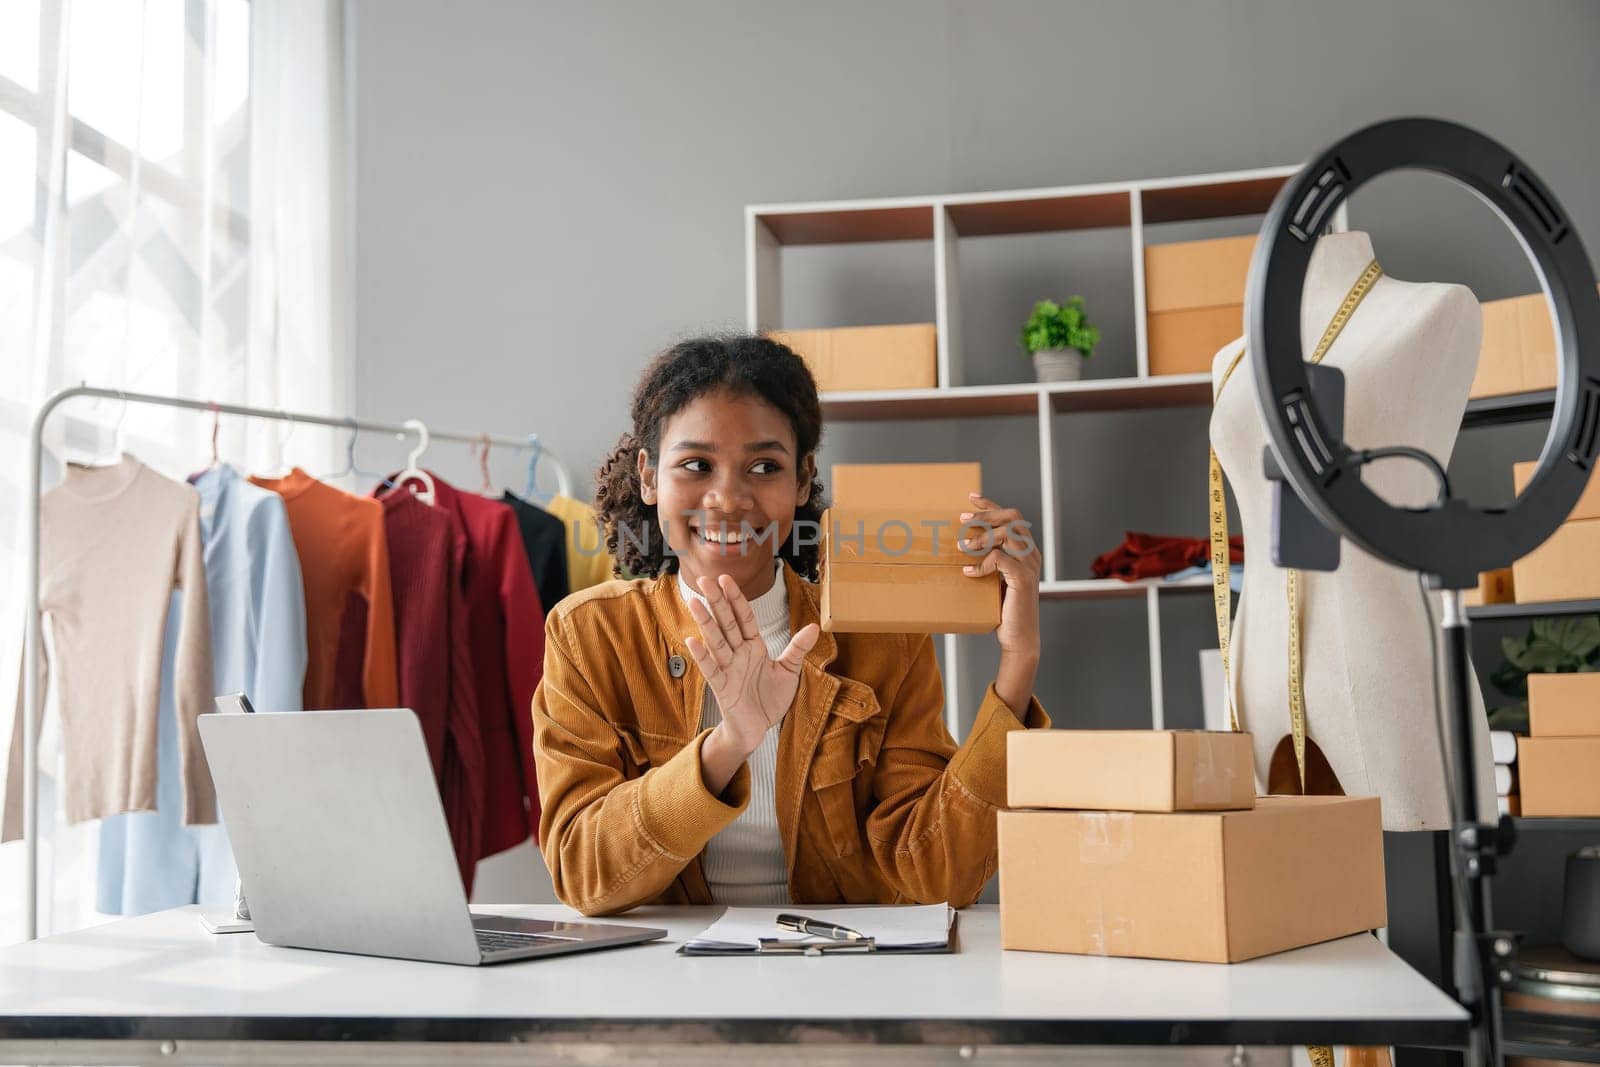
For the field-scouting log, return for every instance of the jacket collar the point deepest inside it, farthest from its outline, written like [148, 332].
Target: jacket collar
[804, 607]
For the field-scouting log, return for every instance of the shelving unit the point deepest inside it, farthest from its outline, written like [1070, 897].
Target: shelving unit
[1534, 611]
[1132, 205]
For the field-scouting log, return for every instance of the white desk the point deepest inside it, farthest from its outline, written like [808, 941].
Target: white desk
[155, 986]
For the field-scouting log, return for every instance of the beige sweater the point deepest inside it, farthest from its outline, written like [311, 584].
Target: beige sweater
[114, 541]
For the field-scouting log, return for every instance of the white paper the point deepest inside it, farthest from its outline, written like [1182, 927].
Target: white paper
[914, 926]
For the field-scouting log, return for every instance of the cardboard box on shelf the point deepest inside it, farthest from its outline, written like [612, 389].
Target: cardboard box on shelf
[1194, 301]
[1494, 587]
[1213, 887]
[923, 486]
[1185, 342]
[1564, 705]
[1566, 567]
[1130, 770]
[1559, 776]
[1196, 274]
[890, 559]
[854, 358]
[1588, 505]
[1518, 354]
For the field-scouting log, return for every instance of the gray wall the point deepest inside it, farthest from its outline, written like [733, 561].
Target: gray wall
[548, 194]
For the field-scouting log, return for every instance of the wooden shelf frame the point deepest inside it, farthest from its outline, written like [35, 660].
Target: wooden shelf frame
[948, 220]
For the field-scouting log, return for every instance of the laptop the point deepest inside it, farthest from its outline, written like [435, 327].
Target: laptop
[341, 842]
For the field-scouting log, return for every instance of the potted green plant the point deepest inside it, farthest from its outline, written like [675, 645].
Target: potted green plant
[1060, 338]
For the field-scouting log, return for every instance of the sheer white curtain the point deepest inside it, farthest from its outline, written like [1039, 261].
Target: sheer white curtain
[170, 203]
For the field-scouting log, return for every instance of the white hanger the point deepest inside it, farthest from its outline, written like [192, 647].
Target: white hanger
[116, 440]
[414, 472]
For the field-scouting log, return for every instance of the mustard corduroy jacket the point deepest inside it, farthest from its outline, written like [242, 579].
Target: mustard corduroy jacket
[876, 803]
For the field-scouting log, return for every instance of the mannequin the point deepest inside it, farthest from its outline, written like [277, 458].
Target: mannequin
[1408, 353]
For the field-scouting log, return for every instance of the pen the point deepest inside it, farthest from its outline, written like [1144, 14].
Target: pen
[818, 928]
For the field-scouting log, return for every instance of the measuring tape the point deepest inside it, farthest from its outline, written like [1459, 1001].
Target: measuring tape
[1219, 540]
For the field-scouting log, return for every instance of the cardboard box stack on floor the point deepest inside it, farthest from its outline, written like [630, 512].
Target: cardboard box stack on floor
[1558, 763]
[1153, 844]
[890, 559]
[1194, 301]
[1567, 566]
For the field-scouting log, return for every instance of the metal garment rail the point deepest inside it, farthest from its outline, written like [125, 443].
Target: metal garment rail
[31, 635]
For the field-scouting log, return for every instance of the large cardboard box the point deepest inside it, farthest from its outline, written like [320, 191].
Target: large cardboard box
[1194, 301]
[853, 358]
[1211, 887]
[1559, 776]
[1564, 705]
[1130, 770]
[890, 559]
[1588, 505]
[1566, 567]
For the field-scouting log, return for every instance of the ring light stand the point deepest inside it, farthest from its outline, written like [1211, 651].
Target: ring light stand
[1449, 542]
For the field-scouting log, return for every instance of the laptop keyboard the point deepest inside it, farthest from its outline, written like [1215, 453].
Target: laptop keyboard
[500, 940]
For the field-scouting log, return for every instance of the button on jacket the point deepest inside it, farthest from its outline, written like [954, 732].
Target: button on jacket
[876, 803]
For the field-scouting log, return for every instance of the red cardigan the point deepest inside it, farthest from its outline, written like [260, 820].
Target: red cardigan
[505, 627]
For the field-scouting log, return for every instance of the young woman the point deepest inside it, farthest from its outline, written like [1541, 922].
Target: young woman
[698, 738]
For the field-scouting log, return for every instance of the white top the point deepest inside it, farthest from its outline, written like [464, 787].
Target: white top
[744, 864]
[166, 967]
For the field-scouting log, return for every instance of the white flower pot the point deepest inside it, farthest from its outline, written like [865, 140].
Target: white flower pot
[1058, 364]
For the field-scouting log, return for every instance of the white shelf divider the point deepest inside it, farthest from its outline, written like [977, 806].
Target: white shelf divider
[1116, 588]
[947, 299]
[1047, 486]
[952, 686]
[763, 279]
[1141, 341]
[1158, 709]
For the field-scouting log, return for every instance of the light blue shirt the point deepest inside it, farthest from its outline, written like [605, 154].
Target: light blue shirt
[150, 861]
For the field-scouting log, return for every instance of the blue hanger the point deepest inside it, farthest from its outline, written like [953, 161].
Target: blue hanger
[530, 491]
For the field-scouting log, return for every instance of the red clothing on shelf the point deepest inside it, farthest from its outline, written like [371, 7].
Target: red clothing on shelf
[1143, 555]
[505, 624]
[427, 561]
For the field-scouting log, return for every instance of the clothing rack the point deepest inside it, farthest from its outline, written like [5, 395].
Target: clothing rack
[31, 634]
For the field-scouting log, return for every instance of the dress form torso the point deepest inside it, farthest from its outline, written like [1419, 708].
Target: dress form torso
[1409, 353]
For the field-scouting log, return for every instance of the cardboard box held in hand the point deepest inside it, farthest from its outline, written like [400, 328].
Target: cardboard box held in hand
[891, 562]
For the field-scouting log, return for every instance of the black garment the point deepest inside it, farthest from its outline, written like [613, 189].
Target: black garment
[545, 540]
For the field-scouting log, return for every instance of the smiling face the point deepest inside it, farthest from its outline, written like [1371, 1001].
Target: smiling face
[725, 486]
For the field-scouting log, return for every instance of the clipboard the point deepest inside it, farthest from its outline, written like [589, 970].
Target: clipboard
[777, 946]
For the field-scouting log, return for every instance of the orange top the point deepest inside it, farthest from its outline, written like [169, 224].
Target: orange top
[342, 550]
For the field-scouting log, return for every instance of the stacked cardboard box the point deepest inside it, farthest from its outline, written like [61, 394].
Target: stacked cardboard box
[1194, 301]
[890, 558]
[1567, 566]
[1559, 761]
[1153, 844]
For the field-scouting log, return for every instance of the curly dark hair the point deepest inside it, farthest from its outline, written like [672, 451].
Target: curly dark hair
[746, 364]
